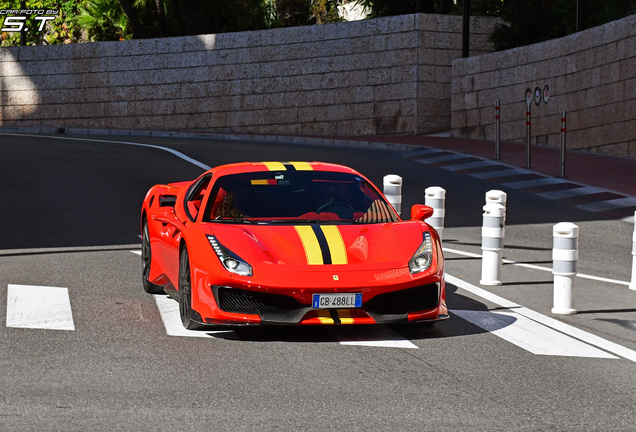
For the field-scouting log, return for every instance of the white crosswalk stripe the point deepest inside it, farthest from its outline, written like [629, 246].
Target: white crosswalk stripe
[570, 193]
[169, 310]
[536, 182]
[426, 151]
[499, 173]
[39, 307]
[609, 205]
[443, 158]
[469, 165]
[433, 156]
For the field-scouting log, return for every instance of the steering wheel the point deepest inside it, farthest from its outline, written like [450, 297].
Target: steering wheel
[334, 204]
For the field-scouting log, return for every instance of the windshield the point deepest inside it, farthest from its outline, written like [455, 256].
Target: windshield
[295, 197]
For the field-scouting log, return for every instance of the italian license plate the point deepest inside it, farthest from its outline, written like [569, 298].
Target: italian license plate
[336, 300]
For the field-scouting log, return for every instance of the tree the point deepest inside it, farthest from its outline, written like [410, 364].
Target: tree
[62, 29]
[533, 21]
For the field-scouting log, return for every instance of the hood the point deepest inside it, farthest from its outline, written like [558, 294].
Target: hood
[321, 247]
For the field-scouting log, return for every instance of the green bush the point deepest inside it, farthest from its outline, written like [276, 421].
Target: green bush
[62, 30]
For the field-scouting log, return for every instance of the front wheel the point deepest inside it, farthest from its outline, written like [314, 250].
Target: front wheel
[146, 261]
[185, 292]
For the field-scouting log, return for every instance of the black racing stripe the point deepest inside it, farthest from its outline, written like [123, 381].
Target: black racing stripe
[324, 246]
[289, 166]
[334, 316]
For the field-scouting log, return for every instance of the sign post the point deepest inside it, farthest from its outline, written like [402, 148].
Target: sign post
[497, 131]
[563, 144]
[528, 104]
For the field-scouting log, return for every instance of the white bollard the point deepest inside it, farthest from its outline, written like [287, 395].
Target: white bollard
[497, 197]
[393, 191]
[565, 254]
[492, 235]
[436, 198]
[632, 285]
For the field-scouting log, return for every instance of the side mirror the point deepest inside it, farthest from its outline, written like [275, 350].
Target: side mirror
[421, 212]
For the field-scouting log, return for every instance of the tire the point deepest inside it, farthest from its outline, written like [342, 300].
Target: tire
[185, 292]
[146, 260]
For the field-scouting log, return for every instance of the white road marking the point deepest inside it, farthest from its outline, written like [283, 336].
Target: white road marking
[469, 165]
[569, 193]
[169, 310]
[398, 343]
[499, 173]
[555, 324]
[608, 205]
[530, 335]
[422, 152]
[442, 158]
[536, 182]
[371, 338]
[536, 267]
[39, 307]
[136, 252]
[167, 149]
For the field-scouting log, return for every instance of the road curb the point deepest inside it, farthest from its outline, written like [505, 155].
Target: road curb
[291, 139]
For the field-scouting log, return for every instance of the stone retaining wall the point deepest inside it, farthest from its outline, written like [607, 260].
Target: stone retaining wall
[591, 74]
[380, 76]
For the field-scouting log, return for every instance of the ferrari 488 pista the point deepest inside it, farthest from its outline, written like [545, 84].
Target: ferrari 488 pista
[289, 243]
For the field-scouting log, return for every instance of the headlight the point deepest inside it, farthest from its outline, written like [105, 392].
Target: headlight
[232, 262]
[423, 258]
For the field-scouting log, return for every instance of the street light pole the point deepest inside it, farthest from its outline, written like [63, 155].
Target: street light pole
[22, 33]
[580, 15]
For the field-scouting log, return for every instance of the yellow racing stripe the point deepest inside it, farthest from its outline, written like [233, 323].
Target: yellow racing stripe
[275, 166]
[310, 244]
[336, 244]
[302, 166]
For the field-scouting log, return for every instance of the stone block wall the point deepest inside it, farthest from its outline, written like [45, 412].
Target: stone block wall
[591, 75]
[380, 76]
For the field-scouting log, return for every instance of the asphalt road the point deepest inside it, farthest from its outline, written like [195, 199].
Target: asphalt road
[71, 219]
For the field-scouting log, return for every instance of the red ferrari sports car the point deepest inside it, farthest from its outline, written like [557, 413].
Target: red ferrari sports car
[289, 243]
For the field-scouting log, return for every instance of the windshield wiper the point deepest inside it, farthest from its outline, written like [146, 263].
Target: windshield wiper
[310, 221]
[295, 221]
[245, 221]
